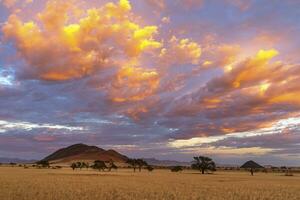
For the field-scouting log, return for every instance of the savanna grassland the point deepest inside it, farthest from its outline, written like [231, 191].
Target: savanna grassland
[60, 184]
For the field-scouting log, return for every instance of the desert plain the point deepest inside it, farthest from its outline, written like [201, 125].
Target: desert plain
[17, 183]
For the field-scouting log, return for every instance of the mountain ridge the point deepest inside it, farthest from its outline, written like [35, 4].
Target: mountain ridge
[165, 163]
[81, 152]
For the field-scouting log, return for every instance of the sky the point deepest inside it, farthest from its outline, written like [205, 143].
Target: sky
[152, 78]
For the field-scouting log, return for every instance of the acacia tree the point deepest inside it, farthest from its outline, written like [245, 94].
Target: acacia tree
[137, 163]
[99, 164]
[79, 165]
[132, 162]
[111, 165]
[176, 169]
[12, 164]
[203, 164]
[43, 163]
[85, 165]
[73, 166]
[150, 168]
[141, 163]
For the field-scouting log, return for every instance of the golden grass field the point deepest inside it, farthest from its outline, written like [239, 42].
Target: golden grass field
[59, 184]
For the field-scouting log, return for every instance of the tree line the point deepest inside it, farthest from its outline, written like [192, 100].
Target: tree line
[102, 165]
[98, 165]
[200, 163]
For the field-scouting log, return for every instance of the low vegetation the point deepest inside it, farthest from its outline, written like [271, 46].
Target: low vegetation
[43, 164]
[176, 169]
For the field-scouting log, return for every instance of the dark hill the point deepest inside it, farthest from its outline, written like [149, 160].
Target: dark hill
[251, 164]
[81, 152]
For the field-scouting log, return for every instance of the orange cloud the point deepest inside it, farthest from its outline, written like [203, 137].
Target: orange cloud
[134, 84]
[255, 93]
[180, 51]
[252, 71]
[256, 69]
[56, 49]
[220, 55]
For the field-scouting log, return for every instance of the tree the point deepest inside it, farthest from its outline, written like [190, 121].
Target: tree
[79, 165]
[12, 164]
[137, 163]
[111, 165]
[150, 168]
[176, 169]
[43, 163]
[73, 166]
[132, 162]
[99, 164]
[141, 163]
[85, 165]
[203, 164]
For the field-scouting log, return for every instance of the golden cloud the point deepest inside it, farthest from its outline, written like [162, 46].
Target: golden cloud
[255, 69]
[222, 55]
[59, 46]
[57, 49]
[180, 51]
[134, 84]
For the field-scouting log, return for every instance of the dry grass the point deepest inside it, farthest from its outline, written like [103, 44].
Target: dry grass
[49, 184]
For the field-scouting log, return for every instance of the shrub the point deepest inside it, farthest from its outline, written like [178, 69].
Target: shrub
[176, 169]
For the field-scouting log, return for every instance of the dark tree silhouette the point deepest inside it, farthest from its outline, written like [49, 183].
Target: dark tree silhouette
[137, 163]
[99, 164]
[203, 164]
[12, 164]
[79, 165]
[176, 169]
[43, 163]
[150, 168]
[141, 163]
[85, 165]
[111, 165]
[133, 163]
[73, 166]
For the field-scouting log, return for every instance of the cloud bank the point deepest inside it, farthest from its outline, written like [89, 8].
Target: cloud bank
[180, 81]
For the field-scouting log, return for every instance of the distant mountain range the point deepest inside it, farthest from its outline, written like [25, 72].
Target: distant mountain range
[16, 160]
[153, 161]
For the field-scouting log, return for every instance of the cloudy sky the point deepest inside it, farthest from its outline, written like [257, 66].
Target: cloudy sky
[152, 78]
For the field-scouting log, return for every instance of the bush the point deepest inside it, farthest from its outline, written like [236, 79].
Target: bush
[150, 168]
[43, 164]
[176, 169]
